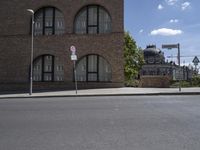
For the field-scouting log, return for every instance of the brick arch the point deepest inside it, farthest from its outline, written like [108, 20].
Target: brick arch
[99, 63]
[54, 25]
[47, 69]
[87, 7]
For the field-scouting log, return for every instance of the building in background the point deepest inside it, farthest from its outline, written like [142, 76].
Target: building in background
[156, 70]
[94, 27]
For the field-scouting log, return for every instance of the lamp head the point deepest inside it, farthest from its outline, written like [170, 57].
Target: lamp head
[30, 10]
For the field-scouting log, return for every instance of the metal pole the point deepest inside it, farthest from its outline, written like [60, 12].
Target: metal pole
[195, 69]
[179, 64]
[75, 76]
[31, 61]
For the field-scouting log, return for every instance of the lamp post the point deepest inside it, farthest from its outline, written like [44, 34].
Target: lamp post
[170, 46]
[31, 61]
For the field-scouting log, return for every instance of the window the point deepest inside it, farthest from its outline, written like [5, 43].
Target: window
[92, 19]
[49, 21]
[93, 68]
[47, 68]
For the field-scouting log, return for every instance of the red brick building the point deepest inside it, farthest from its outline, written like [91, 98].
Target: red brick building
[95, 27]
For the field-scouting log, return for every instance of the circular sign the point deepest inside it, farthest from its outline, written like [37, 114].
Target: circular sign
[73, 48]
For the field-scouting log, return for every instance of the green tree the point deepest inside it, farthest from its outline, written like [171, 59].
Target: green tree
[133, 59]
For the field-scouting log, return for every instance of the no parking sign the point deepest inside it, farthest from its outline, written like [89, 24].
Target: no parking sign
[73, 55]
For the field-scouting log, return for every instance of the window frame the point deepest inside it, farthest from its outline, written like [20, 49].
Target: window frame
[43, 72]
[44, 21]
[87, 72]
[43, 11]
[86, 8]
[92, 72]
[87, 19]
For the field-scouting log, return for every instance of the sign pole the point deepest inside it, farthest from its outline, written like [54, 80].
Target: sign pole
[170, 46]
[74, 58]
[75, 76]
[179, 64]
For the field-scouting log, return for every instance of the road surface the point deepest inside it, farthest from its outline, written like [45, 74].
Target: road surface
[101, 123]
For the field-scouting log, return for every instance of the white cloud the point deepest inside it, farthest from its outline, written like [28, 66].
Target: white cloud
[141, 31]
[160, 7]
[185, 5]
[171, 2]
[166, 32]
[174, 21]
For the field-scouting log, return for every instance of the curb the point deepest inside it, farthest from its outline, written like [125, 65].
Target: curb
[102, 95]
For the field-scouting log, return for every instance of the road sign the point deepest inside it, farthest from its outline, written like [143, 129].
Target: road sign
[73, 49]
[195, 60]
[170, 46]
[74, 57]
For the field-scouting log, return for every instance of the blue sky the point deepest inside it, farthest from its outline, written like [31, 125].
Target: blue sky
[165, 22]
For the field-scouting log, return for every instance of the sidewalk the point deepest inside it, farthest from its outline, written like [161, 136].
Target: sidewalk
[110, 92]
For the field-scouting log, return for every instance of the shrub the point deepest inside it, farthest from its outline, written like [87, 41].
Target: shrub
[132, 83]
[196, 81]
[175, 84]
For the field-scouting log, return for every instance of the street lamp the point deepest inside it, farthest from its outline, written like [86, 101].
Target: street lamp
[31, 62]
[170, 46]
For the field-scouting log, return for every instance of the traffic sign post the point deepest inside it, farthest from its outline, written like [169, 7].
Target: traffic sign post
[170, 46]
[195, 62]
[74, 59]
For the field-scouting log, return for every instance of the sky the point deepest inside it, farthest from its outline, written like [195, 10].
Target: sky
[165, 22]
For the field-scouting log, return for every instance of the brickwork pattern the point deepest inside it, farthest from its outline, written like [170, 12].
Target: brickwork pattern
[155, 81]
[15, 39]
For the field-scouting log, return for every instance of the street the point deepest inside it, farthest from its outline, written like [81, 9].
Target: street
[101, 123]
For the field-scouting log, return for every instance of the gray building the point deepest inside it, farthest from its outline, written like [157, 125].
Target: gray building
[155, 65]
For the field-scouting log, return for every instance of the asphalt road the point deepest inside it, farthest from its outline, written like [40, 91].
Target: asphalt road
[101, 123]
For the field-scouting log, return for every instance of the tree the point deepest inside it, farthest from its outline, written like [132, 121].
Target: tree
[134, 59]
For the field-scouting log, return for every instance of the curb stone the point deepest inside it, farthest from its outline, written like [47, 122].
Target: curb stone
[101, 95]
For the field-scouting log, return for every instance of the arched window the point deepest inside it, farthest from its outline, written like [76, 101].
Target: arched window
[49, 21]
[92, 19]
[93, 68]
[47, 68]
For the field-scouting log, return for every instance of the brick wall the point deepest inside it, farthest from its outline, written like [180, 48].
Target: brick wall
[15, 39]
[155, 81]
